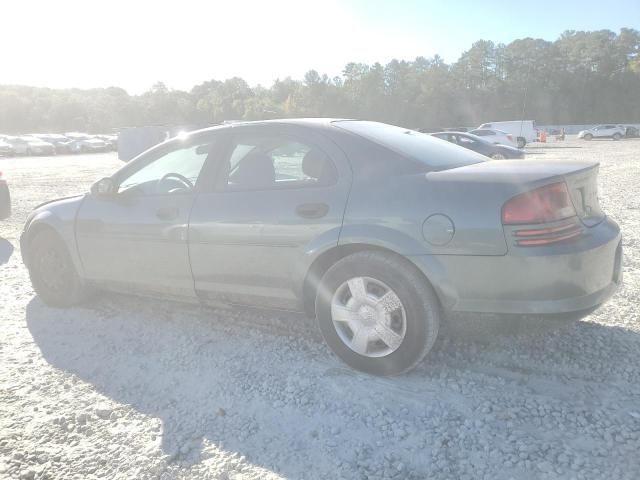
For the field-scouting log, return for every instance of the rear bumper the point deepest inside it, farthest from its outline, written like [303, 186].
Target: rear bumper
[569, 277]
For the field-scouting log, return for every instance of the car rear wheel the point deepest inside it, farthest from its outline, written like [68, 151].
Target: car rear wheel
[498, 156]
[377, 313]
[588, 136]
[617, 136]
[52, 272]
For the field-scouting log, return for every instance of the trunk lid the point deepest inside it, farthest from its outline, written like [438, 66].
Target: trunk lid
[583, 188]
[517, 176]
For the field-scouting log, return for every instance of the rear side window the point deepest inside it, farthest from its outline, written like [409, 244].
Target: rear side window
[274, 162]
[414, 145]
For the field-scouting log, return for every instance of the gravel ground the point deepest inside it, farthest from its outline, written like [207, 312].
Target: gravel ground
[134, 388]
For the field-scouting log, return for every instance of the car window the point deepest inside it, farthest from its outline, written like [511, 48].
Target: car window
[175, 171]
[412, 145]
[272, 162]
[465, 140]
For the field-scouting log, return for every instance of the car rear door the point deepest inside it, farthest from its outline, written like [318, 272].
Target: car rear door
[254, 235]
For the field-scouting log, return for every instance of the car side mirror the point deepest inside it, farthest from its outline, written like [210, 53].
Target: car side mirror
[104, 187]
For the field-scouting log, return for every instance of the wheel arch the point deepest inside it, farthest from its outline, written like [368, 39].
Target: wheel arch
[328, 258]
[42, 222]
[47, 221]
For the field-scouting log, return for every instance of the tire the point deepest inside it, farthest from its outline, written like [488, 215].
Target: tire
[617, 136]
[521, 142]
[52, 272]
[588, 136]
[27, 152]
[498, 156]
[413, 322]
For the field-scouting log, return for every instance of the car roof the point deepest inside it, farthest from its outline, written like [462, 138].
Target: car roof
[308, 122]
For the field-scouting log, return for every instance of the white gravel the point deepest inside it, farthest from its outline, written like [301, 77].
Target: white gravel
[130, 388]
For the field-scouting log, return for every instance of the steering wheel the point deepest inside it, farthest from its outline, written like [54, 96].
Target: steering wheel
[176, 176]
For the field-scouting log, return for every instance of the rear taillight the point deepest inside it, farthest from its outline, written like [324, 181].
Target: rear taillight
[548, 204]
[542, 205]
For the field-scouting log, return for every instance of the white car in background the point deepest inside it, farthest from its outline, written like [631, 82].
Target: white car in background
[524, 131]
[27, 145]
[5, 148]
[616, 132]
[494, 135]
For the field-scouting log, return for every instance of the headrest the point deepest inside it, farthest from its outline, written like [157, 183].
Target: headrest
[255, 170]
[316, 164]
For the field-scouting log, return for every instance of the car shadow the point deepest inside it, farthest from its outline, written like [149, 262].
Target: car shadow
[6, 250]
[256, 383]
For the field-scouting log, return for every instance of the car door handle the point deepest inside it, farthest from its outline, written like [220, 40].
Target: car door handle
[312, 210]
[167, 213]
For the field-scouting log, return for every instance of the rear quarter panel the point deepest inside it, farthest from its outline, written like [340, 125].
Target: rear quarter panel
[390, 212]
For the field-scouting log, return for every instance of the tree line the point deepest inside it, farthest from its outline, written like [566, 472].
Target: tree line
[582, 77]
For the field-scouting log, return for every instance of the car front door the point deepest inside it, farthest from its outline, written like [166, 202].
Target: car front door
[135, 239]
[280, 196]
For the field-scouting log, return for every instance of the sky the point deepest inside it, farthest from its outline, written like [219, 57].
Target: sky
[136, 43]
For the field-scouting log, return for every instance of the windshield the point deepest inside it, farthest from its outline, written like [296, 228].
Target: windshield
[413, 145]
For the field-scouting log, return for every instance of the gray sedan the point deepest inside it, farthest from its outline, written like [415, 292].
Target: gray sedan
[378, 231]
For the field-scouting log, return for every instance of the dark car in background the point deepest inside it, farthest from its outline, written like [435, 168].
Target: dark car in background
[480, 145]
[5, 199]
[631, 132]
[377, 231]
[89, 145]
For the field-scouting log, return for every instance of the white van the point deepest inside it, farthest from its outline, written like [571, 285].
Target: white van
[524, 130]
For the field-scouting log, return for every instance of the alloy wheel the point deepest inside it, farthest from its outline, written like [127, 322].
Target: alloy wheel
[369, 317]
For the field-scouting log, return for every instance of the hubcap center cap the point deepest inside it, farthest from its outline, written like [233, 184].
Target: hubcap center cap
[368, 314]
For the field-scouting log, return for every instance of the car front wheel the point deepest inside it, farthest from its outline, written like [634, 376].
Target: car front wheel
[498, 156]
[53, 275]
[617, 136]
[588, 136]
[377, 313]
